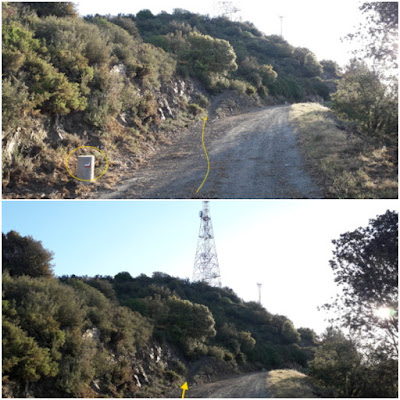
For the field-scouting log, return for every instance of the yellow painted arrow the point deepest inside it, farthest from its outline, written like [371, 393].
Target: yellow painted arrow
[184, 387]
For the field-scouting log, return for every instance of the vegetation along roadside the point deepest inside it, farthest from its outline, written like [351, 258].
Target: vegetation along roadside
[128, 84]
[124, 336]
[345, 163]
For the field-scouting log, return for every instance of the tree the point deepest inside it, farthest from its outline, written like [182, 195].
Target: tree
[379, 33]
[268, 75]
[22, 255]
[289, 332]
[209, 56]
[58, 9]
[123, 277]
[337, 365]
[307, 335]
[363, 98]
[343, 371]
[312, 66]
[330, 67]
[23, 359]
[365, 266]
[190, 320]
[308, 61]
[145, 14]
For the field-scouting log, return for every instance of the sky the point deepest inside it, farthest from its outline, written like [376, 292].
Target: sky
[283, 244]
[318, 25]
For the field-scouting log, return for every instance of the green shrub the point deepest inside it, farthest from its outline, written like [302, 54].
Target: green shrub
[268, 75]
[290, 333]
[238, 85]
[241, 358]
[262, 91]
[287, 87]
[321, 88]
[228, 356]
[16, 102]
[179, 367]
[160, 41]
[216, 352]
[98, 109]
[52, 92]
[189, 320]
[336, 364]
[204, 57]
[201, 100]
[128, 24]
[15, 38]
[23, 359]
[195, 109]
[250, 89]
[171, 375]
[363, 98]
[194, 349]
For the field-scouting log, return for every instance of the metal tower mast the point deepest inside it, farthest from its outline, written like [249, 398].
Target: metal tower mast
[259, 292]
[227, 9]
[206, 268]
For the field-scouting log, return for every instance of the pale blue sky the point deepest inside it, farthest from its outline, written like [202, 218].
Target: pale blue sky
[316, 24]
[284, 244]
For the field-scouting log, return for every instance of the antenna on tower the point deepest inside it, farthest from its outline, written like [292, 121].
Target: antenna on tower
[206, 267]
[281, 17]
[259, 293]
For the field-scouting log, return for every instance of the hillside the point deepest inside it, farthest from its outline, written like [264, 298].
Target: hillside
[124, 84]
[121, 336]
[130, 337]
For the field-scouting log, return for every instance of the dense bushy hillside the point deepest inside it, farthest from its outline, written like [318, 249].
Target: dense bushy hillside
[121, 336]
[245, 329]
[269, 63]
[129, 337]
[124, 83]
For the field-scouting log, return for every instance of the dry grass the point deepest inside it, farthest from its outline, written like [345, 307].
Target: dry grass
[345, 165]
[288, 383]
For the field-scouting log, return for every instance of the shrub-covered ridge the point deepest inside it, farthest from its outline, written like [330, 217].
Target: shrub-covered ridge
[126, 83]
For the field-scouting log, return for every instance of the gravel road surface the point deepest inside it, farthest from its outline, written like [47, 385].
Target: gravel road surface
[244, 386]
[252, 155]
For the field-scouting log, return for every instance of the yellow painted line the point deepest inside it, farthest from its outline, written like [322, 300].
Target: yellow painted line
[205, 152]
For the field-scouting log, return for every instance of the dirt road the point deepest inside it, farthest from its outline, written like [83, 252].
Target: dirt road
[252, 155]
[249, 385]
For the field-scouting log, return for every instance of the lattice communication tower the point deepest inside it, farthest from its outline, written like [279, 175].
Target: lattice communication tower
[206, 267]
[227, 9]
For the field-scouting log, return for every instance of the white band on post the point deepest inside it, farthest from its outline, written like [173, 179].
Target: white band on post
[86, 168]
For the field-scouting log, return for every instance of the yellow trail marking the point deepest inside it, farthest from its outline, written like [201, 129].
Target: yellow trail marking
[205, 152]
[184, 387]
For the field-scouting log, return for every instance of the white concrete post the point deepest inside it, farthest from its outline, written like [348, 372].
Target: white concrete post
[86, 168]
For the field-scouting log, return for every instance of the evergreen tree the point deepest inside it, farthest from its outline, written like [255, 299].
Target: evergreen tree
[365, 264]
[22, 255]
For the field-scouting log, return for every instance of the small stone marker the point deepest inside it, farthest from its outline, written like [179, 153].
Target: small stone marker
[86, 168]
